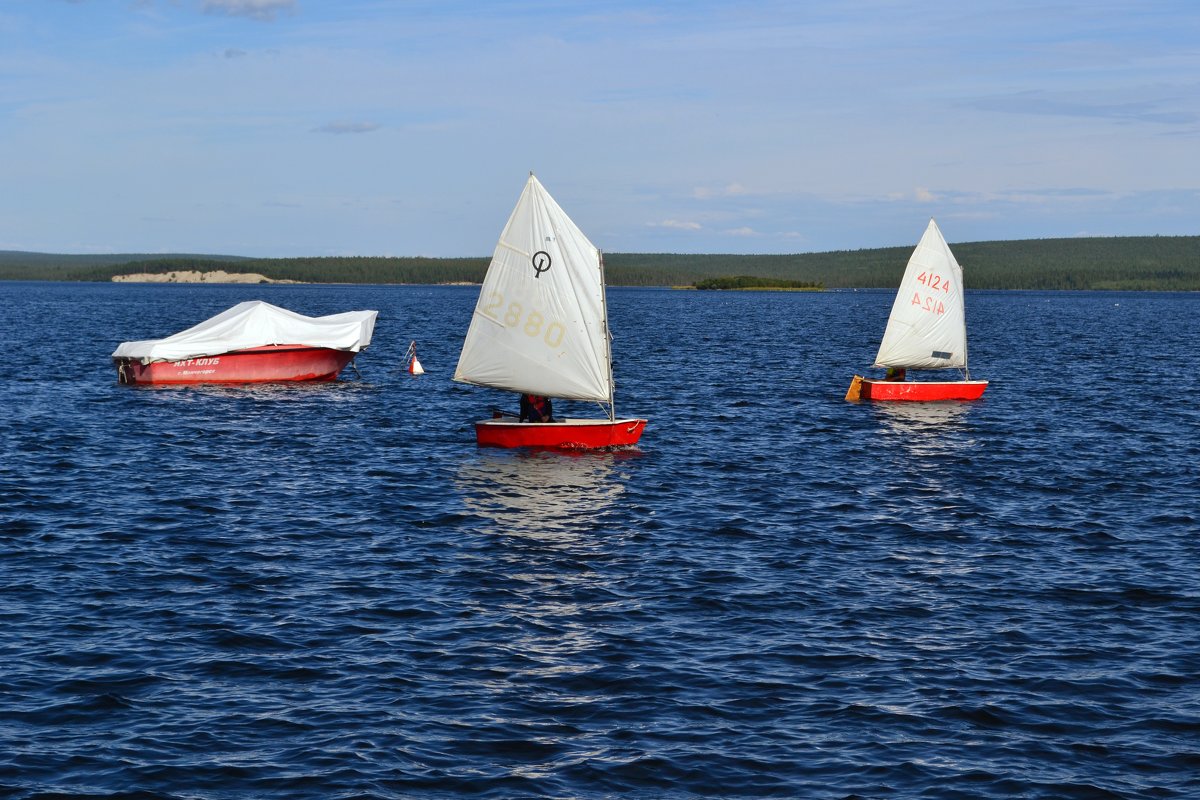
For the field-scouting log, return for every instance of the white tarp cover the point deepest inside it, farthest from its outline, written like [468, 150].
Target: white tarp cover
[256, 324]
[927, 328]
[539, 326]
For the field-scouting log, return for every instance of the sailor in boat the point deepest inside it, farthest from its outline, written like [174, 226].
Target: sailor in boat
[895, 374]
[535, 408]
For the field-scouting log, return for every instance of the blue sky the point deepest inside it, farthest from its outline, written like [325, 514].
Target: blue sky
[379, 127]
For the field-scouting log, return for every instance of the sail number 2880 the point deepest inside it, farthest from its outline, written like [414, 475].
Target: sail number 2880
[532, 323]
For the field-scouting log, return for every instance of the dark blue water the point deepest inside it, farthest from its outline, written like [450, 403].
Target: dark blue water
[331, 592]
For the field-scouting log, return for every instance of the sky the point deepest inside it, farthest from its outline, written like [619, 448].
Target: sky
[278, 128]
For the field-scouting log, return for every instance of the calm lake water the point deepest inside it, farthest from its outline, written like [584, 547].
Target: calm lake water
[331, 592]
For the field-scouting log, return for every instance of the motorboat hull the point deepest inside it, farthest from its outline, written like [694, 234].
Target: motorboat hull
[269, 364]
[569, 434]
[918, 391]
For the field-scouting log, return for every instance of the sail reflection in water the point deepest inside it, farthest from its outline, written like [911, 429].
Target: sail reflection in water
[926, 445]
[548, 495]
[543, 594]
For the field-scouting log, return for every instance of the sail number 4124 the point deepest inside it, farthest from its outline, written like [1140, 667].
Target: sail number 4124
[934, 283]
[534, 323]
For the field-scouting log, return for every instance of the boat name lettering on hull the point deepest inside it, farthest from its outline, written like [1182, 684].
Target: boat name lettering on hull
[198, 362]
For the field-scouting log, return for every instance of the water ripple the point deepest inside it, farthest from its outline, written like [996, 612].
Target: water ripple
[329, 591]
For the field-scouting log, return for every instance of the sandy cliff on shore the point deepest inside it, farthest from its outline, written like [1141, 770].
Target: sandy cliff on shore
[192, 276]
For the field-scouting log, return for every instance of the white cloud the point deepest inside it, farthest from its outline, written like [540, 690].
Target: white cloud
[677, 224]
[702, 121]
[255, 9]
[742, 231]
[1164, 104]
[730, 190]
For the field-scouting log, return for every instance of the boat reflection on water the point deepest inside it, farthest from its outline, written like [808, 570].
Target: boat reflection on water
[926, 428]
[545, 591]
[333, 391]
[929, 496]
[546, 495]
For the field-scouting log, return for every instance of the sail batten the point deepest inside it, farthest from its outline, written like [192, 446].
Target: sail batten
[539, 324]
[516, 250]
[927, 325]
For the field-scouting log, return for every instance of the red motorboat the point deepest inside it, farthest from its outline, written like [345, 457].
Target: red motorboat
[253, 342]
[268, 364]
[567, 434]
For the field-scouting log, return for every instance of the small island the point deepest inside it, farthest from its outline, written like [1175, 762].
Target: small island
[750, 283]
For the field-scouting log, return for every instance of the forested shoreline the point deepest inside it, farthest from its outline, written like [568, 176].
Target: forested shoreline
[754, 283]
[1139, 263]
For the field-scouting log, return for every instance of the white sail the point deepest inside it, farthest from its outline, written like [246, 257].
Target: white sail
[927, 328]
[540, 326]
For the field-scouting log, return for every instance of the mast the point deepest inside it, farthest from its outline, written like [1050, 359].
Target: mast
[612, 405]
[966, 350]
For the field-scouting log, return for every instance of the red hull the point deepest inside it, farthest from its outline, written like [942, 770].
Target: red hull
[273, 363]
[920, 391]
[570, 434]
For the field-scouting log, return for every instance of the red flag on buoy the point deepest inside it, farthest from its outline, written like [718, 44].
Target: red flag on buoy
[414, 366]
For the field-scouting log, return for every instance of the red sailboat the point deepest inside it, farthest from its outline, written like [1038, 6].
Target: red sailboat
[253, 342]
[926, 330]
[541, 328]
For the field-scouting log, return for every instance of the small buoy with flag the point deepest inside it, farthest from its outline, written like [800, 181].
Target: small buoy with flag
[414, 366]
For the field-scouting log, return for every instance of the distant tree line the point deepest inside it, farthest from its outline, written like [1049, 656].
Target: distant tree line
[1132, 263]
[349, 269]
[22, 266]
[752, 282]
